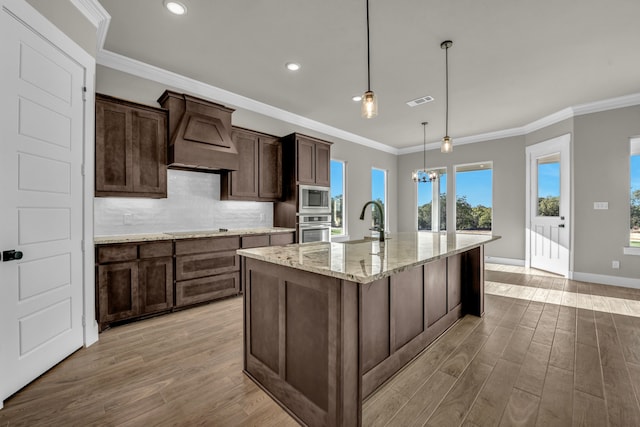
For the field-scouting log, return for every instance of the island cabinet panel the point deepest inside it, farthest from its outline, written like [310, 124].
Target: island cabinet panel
[473, 280]
[376, 323]
[206, 269]
[265, 320]
[454, 281]
[435, 280]
[301, 366]
[407, 301]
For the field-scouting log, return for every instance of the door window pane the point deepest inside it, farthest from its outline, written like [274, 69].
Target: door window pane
[474, 195]
[378, 192]
[427, 205]
[634, 238]
[549, 185]
[337, 197]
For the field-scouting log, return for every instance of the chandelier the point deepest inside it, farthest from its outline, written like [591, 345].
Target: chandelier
[423, 175]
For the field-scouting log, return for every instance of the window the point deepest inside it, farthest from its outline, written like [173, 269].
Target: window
[338, 227]
[379, 193]
[549, 185]
[430, 203]
[634, 174]
[474, 195]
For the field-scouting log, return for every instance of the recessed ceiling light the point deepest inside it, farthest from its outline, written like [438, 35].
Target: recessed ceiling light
[356, 98]
[175, 7]
[292, 66]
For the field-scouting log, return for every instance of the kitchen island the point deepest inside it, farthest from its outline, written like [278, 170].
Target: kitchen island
[325, 324]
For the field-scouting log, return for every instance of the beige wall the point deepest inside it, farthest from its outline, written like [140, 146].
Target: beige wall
[601, 174]
[359, 159]
[64, 15]
[508, 158]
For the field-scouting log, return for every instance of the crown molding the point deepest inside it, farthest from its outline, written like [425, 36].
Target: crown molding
[216, 94]
[607, 104]
[97, 15]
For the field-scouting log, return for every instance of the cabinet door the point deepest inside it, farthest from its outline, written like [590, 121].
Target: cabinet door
[149, 144]
[306, 161]
[270, 168]
[323, 164]
[114, 154]
[244, 181]
[155, 284]
[117, 291]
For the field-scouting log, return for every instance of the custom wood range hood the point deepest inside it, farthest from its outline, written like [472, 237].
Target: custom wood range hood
[199, 134]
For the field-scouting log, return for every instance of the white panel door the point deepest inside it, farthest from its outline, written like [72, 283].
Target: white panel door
[549, 205]
[41, 149]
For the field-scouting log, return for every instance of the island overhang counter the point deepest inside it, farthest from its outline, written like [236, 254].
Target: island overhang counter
[325, 324]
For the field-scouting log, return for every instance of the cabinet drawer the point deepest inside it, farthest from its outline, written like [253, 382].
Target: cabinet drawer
[117, 253]
[281, 239]
[196, 246]
[255, 241]
[201, 265]
[207, 288]
[156, 250]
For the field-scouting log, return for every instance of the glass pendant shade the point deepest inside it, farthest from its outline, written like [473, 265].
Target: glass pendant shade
[369, 105]
[447, 145]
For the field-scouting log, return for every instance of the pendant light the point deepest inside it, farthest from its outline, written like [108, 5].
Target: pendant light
[447, 143]
[422, 175]
[369, 100]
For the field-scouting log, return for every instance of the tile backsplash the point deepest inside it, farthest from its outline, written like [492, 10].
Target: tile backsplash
[192, 203]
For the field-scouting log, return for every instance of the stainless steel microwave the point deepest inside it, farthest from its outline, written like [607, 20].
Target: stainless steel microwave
[313, 199]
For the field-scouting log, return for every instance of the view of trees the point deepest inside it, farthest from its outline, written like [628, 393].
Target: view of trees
[375, 213]
[468, 217]
[549, 206]
[336, 214]
[424, 214]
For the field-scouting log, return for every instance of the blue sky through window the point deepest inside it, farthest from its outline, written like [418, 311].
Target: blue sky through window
[377, 184]
[549, 180]
[635, 172]
[336, 178]
[476, 185]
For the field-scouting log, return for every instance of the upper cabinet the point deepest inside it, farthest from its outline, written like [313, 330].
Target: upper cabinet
[131, 149]
[259, 174]
[310, 157]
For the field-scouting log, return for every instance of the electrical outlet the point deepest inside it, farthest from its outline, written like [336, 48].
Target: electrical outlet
[615, 264]
[601, 205]
[127, 219]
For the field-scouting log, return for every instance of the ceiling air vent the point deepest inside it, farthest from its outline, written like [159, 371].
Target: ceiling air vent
[420, 101]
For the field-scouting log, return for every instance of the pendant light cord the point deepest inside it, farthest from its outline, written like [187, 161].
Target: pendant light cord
[368, 53]
[424, 146]
[446, 68]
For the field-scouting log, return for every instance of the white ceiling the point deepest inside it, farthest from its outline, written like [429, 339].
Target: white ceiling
[512, 61]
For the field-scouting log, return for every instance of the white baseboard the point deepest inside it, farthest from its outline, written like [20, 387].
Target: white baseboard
[602, 279]
[505, 261]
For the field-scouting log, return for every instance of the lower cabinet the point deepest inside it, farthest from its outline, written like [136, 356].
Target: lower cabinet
[133, 280]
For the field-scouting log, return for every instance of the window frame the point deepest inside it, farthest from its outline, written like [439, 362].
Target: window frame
[634, 150]
[345, 232]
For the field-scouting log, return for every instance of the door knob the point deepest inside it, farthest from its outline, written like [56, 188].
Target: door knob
[11, 255]
[561, 226]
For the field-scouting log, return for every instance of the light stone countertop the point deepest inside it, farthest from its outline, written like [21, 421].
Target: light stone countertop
[177, 235]
[366, 260]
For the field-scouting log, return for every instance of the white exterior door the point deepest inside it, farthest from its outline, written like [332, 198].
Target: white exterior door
[548, 205]
[41, 208]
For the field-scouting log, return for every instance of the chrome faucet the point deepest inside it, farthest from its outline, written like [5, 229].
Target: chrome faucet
[381, 209]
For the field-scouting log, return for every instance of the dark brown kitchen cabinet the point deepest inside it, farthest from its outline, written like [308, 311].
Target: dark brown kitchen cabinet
[312, 159]
[133, 280]
[131, 149]
[206, 269]
[259, 175]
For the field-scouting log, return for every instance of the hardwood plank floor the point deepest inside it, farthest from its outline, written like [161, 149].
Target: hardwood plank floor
[549, 351]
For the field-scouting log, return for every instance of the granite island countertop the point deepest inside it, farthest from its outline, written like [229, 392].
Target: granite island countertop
[191, 234]
[366, 260]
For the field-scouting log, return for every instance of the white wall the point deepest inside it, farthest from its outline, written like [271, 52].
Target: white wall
[192, 203]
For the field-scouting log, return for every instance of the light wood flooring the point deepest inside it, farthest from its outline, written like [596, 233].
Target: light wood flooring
[567, 356]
